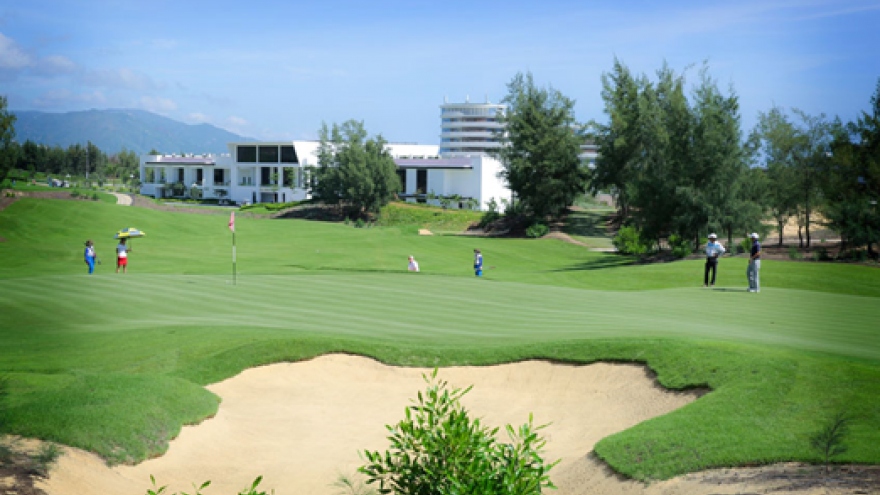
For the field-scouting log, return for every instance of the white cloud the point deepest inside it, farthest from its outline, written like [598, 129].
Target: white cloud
[122, 78]
[64, 98]
[198, 118]
[56, 64]
[157, 104]
[11, 55]
[236, 121]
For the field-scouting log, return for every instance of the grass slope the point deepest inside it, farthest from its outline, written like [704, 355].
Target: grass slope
[115, 363]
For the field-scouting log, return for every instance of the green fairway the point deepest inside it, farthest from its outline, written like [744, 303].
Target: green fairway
[116, 363]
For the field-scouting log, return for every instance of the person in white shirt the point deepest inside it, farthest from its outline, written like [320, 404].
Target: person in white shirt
[413, 265]
[90, 255]
[714, 249]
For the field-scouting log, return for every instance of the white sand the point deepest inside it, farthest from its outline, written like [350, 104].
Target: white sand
[302, 424]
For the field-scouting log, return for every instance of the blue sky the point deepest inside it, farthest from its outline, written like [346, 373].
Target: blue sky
[277, 70]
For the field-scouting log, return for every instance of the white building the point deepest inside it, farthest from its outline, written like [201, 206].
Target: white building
[275, 171]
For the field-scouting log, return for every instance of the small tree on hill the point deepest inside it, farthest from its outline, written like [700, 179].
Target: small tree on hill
[438, 449]
[354, 170]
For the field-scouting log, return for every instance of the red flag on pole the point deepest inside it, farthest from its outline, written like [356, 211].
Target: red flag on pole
[232, 221]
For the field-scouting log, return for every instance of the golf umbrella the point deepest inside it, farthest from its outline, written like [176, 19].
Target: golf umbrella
[129, 233]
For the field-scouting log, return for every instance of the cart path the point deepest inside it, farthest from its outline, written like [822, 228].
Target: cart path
[123, 199]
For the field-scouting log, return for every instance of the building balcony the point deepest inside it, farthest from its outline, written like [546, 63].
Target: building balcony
[484, 135]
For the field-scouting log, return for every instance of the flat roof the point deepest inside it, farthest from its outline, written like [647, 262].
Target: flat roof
[441, 163]
[183, 160]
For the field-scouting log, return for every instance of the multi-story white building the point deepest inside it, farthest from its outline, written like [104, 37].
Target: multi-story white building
[275, 171]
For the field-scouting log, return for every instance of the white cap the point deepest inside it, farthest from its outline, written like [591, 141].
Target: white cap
[754, 235]
[713, 236]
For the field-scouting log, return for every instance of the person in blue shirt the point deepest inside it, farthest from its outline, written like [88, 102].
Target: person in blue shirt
[478, 263]
[714, 249]
[753, 272]
[90, 255]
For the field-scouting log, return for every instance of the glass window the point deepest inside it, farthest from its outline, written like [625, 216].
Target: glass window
[247, 154]
[288, 155]
[421, 181]
[268, 154]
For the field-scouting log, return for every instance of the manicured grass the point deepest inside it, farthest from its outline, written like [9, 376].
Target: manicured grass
[589, 226]
[115, 363]
[416, 216]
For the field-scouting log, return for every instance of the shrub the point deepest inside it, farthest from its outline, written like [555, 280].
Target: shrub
[829, 441]
[359, 223]
[160, 490]
[537, 230]
[794, 254]
[680, 246]
[629, 241]
[438, 449]
[744, 246]
[821, 254]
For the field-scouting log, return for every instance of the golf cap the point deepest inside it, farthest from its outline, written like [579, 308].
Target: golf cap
[713, 236]
[754, 235]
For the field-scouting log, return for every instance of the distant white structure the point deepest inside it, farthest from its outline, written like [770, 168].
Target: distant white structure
[275, 171]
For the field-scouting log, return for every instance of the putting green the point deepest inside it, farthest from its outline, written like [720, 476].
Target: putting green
[125, 357]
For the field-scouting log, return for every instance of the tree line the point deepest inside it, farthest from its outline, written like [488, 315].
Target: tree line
[678, 163]
[673, 156]
[26, 160]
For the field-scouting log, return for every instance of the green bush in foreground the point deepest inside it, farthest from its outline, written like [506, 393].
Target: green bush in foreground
[437, 449]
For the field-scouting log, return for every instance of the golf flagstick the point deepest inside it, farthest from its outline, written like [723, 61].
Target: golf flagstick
[232, 228]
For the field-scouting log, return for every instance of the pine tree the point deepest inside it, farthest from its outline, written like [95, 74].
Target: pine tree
[540, 148]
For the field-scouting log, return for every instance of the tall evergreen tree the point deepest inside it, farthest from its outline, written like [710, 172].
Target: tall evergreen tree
[676, 162]
[540, 148]
[851, 179]
[794, 155]
[618, 141]
[7, 134]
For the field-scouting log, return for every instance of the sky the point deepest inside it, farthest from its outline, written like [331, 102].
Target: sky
[277, 70]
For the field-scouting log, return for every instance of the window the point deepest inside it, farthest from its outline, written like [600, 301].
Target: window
[265, 175]
[421, 181]
[218, 177]
[180, 174]
[268, 154]
[247, 154]
[199, 176]
[288, 155]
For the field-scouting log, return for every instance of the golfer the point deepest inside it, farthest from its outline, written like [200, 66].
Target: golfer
[478, 263]
[754, 269]
[413, 265]
[714, 249]
[122, 256]
[90, 256]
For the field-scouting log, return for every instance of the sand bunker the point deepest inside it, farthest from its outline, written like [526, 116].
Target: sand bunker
[301, 425]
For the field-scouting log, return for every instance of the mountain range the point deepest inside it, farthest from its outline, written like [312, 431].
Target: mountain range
[116, 129]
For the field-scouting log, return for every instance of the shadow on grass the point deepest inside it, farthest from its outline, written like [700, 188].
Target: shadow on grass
[730, 289]
[599, 264]
[587, 223]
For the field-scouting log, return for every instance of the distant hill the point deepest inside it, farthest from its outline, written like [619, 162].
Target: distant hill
[112, 130]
